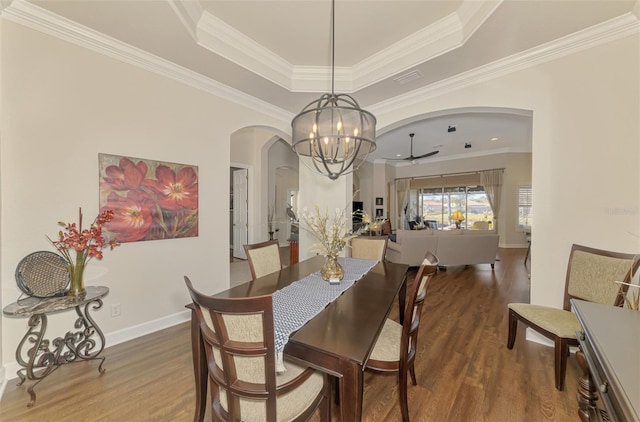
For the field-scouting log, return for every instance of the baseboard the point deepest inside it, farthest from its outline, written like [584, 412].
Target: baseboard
[534, 336]
[115, 338]
[514, 245]
[149, 327]
[3, 380]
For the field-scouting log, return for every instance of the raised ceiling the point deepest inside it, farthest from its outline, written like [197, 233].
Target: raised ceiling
[278, 52]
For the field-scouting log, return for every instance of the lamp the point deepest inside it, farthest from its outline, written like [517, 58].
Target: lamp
[457, 216]
[333, 130]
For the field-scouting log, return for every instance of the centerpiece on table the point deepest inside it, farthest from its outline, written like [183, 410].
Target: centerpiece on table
[332, 234]
[87, 244]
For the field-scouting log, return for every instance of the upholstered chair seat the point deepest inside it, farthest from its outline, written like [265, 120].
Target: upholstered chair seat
[557, 321]
[387, 347]
[290, 405]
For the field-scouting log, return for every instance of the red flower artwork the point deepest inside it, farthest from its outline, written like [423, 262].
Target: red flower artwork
[145, 207]
[176, 191]
[126, 175]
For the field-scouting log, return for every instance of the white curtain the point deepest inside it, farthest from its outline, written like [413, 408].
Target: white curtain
[491, 180]
[402, 190]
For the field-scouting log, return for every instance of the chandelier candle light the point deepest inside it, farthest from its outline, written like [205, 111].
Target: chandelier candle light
[87, 244]
[333, 130]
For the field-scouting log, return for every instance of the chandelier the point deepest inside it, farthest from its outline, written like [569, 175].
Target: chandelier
[333, 130]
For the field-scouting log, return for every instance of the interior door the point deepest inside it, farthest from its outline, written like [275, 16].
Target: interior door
[240, 229]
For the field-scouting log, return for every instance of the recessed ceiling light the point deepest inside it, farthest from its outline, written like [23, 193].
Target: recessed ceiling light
[398, 155]
[494, 139]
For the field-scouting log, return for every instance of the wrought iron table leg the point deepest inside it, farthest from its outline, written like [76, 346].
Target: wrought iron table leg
[85, 343]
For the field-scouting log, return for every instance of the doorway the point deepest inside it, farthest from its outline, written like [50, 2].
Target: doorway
[238, 212]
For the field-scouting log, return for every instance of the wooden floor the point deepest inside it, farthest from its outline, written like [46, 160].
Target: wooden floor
[465, 372]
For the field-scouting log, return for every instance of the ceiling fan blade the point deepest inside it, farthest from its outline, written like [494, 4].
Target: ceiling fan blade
[429, 154]
[411, 157]
[400, 159]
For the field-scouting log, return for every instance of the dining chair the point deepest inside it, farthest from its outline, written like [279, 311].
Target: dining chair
[264, 258]
[591, 276]
[369, 247]
[395, 349]
[385, 228]
[239, 343]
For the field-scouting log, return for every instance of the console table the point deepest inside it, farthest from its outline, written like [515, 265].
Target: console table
[38, 356]
[608, 355]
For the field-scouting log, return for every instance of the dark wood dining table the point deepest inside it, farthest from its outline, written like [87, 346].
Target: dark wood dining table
[338, 340]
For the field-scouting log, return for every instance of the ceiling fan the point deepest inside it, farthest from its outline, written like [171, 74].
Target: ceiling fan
[412, 157]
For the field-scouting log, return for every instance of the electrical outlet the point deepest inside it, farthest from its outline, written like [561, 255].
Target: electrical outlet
[115, 310]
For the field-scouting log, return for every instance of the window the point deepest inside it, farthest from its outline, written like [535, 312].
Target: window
[434, 206]
[525, 208]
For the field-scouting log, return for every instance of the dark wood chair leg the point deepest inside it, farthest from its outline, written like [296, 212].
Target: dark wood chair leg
[513, 329]
[560, 369]
[325, 405]
[404, 399]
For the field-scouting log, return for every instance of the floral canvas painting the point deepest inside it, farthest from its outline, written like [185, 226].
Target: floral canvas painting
[150, 200]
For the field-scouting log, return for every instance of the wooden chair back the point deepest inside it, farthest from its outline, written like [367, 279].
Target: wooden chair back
[592, 274]
[239, 343]
[385, 229]
[369, 247]
[413, 311]
[264, 258]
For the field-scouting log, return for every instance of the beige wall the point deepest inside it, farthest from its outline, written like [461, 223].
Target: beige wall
[62, 105]
[283, 177]
[366, 187]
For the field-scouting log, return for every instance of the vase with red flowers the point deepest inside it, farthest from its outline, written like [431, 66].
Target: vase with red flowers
[86, 243]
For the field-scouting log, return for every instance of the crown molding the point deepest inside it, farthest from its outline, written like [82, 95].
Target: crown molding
[224, 40]
[189, 13]
[611, 30]
[448, 33]
[430, 42]
[442, 36]
[34, 17]
[318, 79]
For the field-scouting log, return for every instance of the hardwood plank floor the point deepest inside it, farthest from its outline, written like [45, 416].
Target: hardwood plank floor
[464, 370]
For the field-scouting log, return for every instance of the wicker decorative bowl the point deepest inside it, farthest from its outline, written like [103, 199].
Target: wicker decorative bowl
[42, 274]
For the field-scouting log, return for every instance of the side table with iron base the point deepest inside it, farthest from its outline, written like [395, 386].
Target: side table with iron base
[39, 356]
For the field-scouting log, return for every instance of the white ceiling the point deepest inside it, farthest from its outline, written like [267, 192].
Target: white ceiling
[279, 51]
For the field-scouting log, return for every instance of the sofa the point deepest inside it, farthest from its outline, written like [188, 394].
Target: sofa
[452, 247]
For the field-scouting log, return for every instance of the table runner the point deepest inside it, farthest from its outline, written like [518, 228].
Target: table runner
[300, 301]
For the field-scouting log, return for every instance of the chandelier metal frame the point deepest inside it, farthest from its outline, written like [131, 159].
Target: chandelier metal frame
[333, 130]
